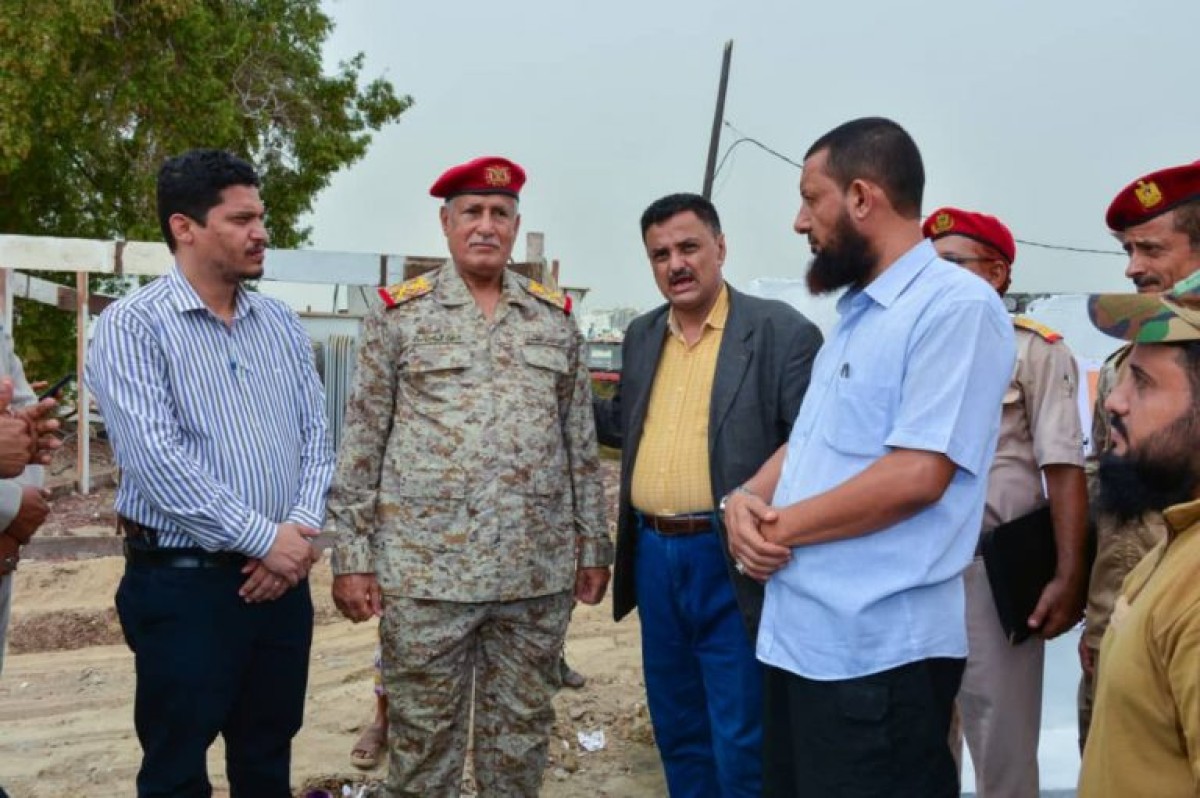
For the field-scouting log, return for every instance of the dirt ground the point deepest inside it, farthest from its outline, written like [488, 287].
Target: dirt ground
[66, 695]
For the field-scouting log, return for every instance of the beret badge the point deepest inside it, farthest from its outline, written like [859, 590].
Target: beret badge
[1148, 193]
[498, 176]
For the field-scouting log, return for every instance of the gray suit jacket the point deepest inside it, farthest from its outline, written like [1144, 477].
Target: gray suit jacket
[763, 366]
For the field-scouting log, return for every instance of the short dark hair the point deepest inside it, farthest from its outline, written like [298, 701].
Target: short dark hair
[1187, 221]
[662, 209]
[192, 183]
[878, 150]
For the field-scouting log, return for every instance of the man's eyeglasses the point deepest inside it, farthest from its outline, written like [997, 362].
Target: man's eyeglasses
[963, 260]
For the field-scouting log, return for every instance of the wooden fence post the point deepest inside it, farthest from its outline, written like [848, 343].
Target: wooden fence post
[83, 413]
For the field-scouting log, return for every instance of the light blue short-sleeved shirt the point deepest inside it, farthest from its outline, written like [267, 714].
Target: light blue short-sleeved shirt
[919, 359]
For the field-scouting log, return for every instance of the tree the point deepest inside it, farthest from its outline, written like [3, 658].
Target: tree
[95, 94]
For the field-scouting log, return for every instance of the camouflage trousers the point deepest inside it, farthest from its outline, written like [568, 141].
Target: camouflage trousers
[437, 655]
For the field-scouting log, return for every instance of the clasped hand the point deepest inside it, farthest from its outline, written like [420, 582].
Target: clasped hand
[288, 561]
[26, 435]
[747, 517]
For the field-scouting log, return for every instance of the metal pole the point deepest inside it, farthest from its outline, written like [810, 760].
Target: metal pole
[718, 118]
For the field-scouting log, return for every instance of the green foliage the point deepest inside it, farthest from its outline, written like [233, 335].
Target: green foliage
[97, 93]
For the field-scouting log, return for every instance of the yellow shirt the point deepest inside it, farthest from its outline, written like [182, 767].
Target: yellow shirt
[1145, 734]
[670, 473]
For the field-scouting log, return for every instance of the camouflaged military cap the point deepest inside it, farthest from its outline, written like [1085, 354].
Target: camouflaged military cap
[1150, 318]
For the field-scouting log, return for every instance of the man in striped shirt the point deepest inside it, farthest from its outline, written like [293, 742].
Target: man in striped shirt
[216, 417]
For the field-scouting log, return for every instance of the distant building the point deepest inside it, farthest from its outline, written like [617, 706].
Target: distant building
[610, 323]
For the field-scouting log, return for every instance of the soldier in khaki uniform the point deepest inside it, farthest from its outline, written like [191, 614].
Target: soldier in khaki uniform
[1041, 443]
[1157, 219]
[1145, 736]
[468, 504]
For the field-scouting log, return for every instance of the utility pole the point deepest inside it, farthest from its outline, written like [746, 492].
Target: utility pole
[718, 119]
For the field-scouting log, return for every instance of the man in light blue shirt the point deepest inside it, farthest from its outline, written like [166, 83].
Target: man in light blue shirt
[875, 502]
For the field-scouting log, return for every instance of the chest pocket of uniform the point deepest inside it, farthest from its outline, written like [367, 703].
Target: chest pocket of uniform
[546, 355]
[433, 358]
[415, 483]
[860, 419]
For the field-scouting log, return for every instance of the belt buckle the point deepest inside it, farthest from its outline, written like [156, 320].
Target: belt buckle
[683, 524]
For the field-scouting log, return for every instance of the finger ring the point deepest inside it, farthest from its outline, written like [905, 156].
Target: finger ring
[739, 566]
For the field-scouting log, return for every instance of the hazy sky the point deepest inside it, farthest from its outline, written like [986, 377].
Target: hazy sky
[1037, 112]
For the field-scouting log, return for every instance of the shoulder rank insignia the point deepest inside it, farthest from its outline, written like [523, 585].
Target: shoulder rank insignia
[1036, 327]
[558, 299]
[400, 293]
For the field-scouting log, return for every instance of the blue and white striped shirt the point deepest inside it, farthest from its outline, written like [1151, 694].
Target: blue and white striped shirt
[219, 430]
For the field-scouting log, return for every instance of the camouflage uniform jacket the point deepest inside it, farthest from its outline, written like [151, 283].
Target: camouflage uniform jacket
[469, 469]
[1120, 545]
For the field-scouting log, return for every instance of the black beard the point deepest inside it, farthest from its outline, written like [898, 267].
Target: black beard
[846, 260]
[1161, 473]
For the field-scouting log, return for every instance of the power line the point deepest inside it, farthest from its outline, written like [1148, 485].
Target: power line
[728, 151]
[743, 138]
[724, 179]
[1064, 248]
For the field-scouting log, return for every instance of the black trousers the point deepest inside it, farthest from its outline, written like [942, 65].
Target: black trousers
[884, 735]
[208, 663]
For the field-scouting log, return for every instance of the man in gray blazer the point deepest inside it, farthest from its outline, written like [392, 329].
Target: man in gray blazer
[710, 386]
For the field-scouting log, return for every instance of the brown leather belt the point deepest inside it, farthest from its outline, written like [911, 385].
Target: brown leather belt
[691, 524]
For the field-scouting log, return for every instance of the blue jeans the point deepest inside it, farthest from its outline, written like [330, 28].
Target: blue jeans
[703, 682]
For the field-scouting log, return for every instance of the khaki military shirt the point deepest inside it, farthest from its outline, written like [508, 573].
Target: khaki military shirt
[1039, 425]
[1145, 733]
[469, 469]
[1120, 545]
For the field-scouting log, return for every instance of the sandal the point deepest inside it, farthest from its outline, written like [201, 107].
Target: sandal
[368, 747]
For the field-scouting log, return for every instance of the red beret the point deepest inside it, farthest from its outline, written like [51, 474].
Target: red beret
[1153, 195]
[486, 175]
[979, 226]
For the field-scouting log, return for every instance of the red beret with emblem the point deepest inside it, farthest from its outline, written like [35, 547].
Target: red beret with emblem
[978, 226]
[486, 175]
[1154, 195]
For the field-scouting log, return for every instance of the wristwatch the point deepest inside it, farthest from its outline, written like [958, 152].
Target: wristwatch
[725, 499]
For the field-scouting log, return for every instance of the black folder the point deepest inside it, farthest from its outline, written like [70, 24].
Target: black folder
[1020, 558]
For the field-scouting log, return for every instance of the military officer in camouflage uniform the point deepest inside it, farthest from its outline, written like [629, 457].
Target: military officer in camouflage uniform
[468, 504]
[1157, 220]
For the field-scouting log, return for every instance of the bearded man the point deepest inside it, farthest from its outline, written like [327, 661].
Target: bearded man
[1145, 732]
[863, 523]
